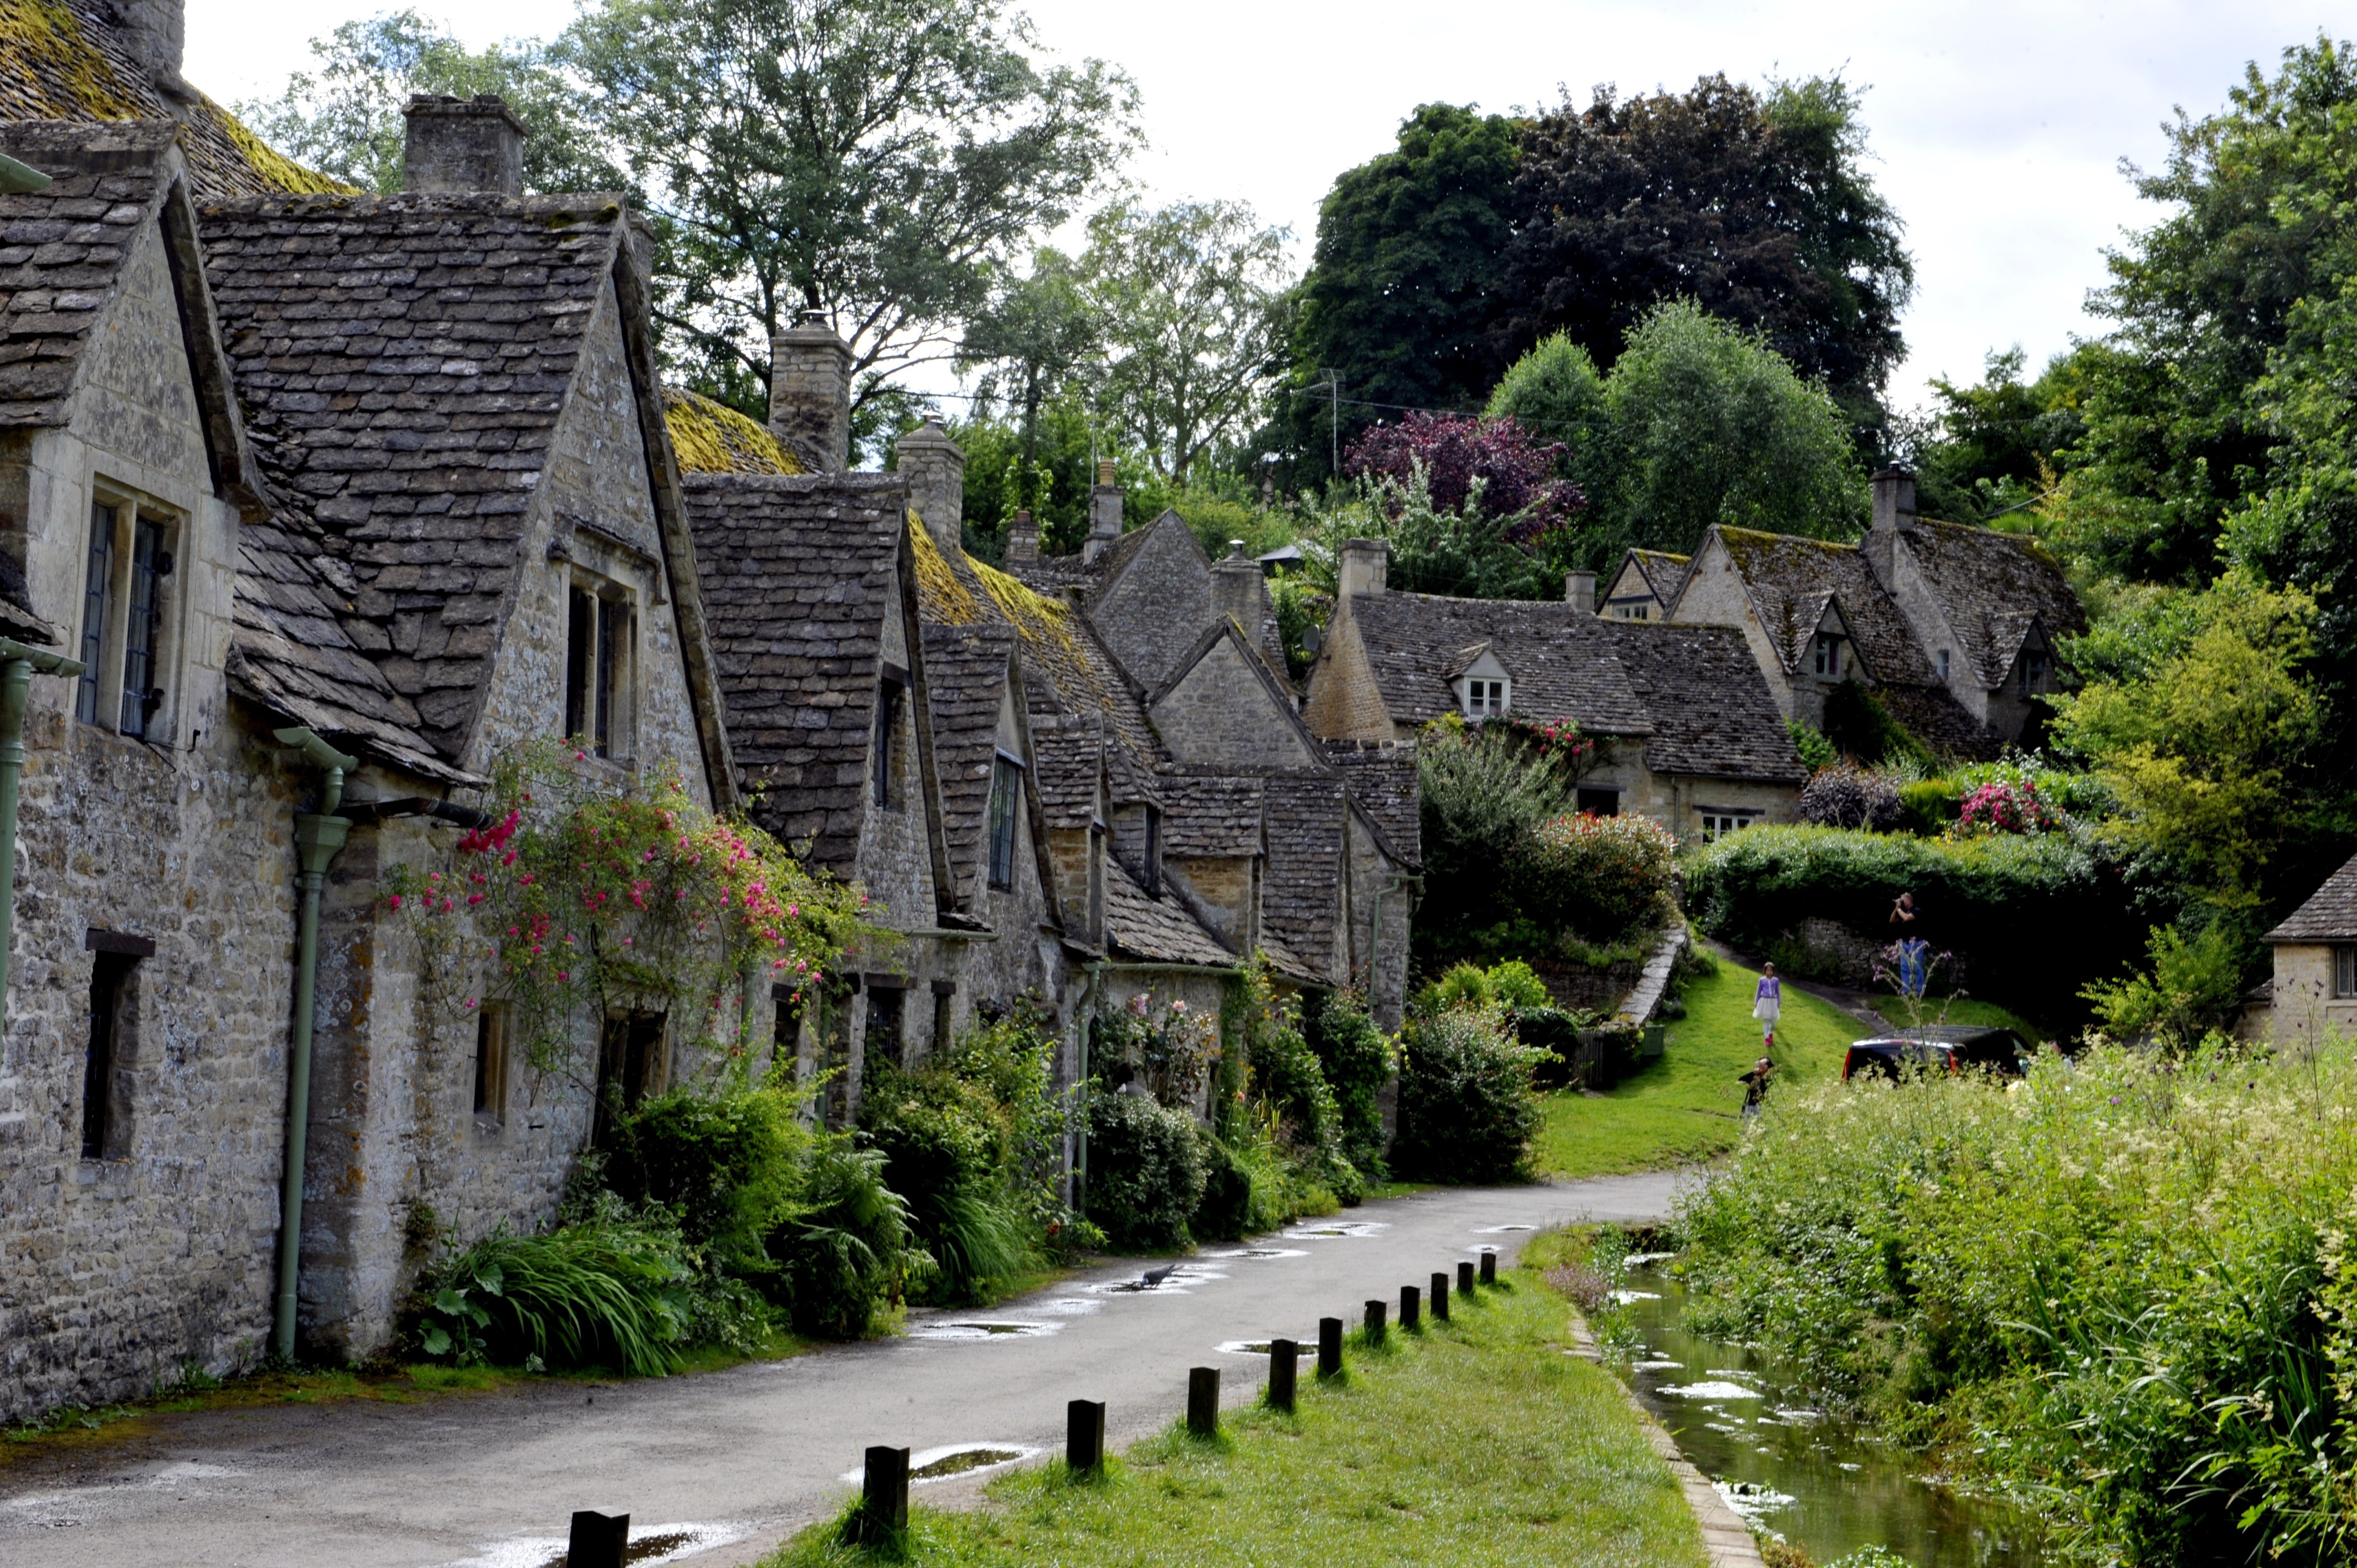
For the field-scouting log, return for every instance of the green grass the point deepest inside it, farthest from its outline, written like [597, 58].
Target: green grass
[1960, 1010]
[1474, 1442]
[1688, 1106]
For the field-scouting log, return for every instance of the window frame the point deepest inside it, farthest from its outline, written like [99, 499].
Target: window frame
[114, 1002]
[1717, 824]
[1000, 831]
[1486, 697]
[601, 666]
[1829, 655]
[2033, 672]
[130, 632]
[491, 1065]
[892, 698]
[1583, 794]
[2344, 973]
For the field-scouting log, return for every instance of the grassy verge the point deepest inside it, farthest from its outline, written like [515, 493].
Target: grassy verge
[1474, 1441]
[1959, 1010]
[1688, 1106]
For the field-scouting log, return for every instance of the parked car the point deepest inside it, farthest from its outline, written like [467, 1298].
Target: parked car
[1946, 1048]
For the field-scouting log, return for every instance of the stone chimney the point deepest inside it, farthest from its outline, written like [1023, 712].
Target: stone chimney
[462, 146]
[934, 466]
[1104, 512]
[1363, 567]
[1894, 498]
[1238, 590]
[1580, 591]
[1022, 539]
[810, 393]
[153, 32]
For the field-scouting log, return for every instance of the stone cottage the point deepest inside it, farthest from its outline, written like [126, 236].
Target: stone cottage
[1645, 585]
[1953, 628]
[2313, 991]
[1688, 734]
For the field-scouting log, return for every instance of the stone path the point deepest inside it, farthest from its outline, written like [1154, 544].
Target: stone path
[737, 1460]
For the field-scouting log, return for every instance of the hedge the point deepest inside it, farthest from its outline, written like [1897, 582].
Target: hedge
[2033, 916]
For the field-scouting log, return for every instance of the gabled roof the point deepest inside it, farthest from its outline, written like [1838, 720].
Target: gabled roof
[714, 439]
[1159, 930]
[1298, 907]
[403, 362]
[1994, 587]
[65, 60]
[797, 575]
[966, 672]
[1791, 579]
[1279, 692]
[1069, 757]
[1563, 658]
[1662, 573]
[1381, 775]
[1211, 817]
[1713, 714]
[2328, 916]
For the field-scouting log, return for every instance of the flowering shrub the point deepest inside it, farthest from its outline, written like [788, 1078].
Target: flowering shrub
[1559, 740]
[1165, 1045]
[2001, 806]
[1601, 877]
[584, 899]
[1848, 795]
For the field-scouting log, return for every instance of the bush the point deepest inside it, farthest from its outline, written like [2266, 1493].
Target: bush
[2123, 1286]
[1848, 796]
[1512, 984]
[1468, 1106]
[727, 1164]
[2000, 807]
[1359, 1061]
[1481, 793]
[2195, 985]
[1816, 750]
[1601, 876]
[946, 1147]
[1859, 726]
[847, 1249]
[1288, 1086]
[1145, 1172]
[1928, 807]
[614, 1292]
[2034, 915]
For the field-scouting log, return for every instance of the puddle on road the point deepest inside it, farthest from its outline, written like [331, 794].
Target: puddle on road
[1500, 1229]
[1068, 1307]
[649, 1546]
[946, 1462]
[980, 1329]
[1302, 1348]
[1354, 1228]
[1259, 1252]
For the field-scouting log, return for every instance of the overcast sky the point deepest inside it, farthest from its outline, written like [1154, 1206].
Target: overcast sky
[1997, 126]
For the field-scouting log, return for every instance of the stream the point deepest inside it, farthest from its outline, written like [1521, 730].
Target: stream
[1815, 1481]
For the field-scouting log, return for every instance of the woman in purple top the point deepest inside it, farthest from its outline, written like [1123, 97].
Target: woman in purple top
[1766, 1001]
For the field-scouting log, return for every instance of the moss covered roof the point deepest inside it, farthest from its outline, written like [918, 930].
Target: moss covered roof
[714, 439]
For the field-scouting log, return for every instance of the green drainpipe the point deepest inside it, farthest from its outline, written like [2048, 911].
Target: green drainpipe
[317, 837]
[17, 665]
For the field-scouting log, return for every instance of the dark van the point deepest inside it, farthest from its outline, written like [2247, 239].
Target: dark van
[1948, 1048]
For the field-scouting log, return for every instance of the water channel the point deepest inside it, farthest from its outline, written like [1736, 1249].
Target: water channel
[1813, 1480]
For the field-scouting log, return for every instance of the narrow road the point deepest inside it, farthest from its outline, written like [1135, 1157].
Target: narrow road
[731, 1461]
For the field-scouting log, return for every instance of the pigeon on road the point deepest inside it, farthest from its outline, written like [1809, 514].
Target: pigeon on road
[1152, 1277]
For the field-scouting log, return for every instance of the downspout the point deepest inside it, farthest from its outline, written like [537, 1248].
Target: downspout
[1077, 1197]
[17, 665]
[317, 836]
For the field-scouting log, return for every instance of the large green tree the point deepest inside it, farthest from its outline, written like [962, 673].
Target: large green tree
[1756, 206]
[879, 160]
[1400, 299]
[1992, 448]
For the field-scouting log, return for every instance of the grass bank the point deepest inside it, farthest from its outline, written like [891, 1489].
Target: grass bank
[1688, 1106]
[1477, 1441]
[1959, 1010]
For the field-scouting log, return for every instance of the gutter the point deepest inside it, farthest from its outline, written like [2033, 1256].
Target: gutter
[317, 836]
[17, 665]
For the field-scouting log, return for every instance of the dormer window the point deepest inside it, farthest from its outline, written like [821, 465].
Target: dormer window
[2033, 674]
[1484, 699]
[600, 666]
[1829, 655]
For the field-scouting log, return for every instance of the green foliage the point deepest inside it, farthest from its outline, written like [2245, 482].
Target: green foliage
[1859, 726]
[1816, 750]
[1146, 1172]
[726, 1165]
[2118, 1289]
[1468, 1108]
[2034, 915]
[1287, 1099]
[1928, 806]
[1462, 552]
[1554, 392]
[848, 1247]
[1359, 1061]
[1160, 1045]
[2202, 735]
[2194, 987]
[611, 1291]
[1990, 451]
[1511, 984]
[1601, 877]
[1481, 795]
[1398, 301]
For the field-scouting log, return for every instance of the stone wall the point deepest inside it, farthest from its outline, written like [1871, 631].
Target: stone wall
[1221, 713]
[2303, 1005]
[1344, 702]
[1152, 614]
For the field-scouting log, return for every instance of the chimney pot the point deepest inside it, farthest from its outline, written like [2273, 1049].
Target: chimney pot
[1104, 512]
[1239, 590]
[1362, 566]
[1580, 591]
[1894, 498]
[810, 393]
[934, 466]
[462, 146]
[1022, 539]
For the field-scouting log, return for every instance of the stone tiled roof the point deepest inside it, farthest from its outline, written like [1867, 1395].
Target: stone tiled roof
[1993, 587]
[1382, 779]
[1298, 907]
[1067, 754]
[1211, 818]
[1932, 715]
[403, 362]
[62, 249]
[64, 59]
[2328, 916]
[1662, 572]
[1159, 930]
[965, 676]
[1559, 658]
[1791, 579]
[796, 572]
[1713, 715]
[714, 439]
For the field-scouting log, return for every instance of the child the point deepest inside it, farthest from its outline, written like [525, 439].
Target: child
[1765, 1004]
[1755, 1089]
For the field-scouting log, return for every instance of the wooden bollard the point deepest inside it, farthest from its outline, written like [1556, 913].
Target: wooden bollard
[599, 1540]
[1488, 1268]
[1203, 1402]
[1329, 1346]
[1283, 1367]
[1465, 1277]
[1411, 1318]
[883, 1496]
[1375, 1313]
[1440, 1297]
[1084, 1437]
